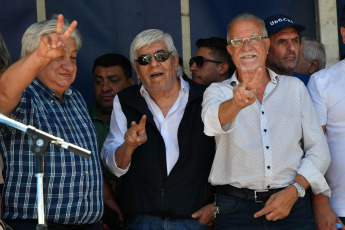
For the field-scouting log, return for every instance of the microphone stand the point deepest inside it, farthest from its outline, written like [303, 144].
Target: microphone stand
[39, 147]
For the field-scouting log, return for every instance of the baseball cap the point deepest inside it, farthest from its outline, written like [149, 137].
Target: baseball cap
[278, 22]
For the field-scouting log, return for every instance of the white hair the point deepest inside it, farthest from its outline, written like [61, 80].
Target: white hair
[32, 36]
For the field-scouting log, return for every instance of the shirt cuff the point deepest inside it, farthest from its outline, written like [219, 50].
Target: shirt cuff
[315, 178]
[112, 166]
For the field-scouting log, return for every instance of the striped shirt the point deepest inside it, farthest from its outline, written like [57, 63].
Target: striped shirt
[75, 194]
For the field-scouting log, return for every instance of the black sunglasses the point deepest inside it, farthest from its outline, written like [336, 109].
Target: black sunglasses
[160, 56]
[200, 60]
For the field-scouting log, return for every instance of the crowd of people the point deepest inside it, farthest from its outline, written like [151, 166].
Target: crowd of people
[252, 140]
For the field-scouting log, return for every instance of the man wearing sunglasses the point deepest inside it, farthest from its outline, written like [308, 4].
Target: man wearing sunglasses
[212, 62]
[156, 142]
[270, 148]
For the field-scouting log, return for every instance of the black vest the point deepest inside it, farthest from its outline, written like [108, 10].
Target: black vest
[146, 187]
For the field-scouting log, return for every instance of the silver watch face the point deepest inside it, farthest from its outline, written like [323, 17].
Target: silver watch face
[300, 189]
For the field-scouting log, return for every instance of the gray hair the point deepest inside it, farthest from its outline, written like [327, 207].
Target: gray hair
[243, 17]
[5, 58]
[314, 50]
[32, 35]
[147, 37]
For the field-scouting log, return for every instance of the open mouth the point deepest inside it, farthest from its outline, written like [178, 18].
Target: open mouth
[249, 56]
[156, 75]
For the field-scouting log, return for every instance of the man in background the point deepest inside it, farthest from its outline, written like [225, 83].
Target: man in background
[211, 62]
[111, 73]
[312, 58]
[285, 45]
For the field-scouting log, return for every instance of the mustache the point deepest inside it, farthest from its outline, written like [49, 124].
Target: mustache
[290, 53]
[249, 53]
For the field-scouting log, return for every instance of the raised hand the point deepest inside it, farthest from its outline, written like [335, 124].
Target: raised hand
[136, 134]
[245, 92]
[51, 44]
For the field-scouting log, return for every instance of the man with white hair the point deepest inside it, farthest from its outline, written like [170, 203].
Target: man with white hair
[37, 91]
[312, 58]
[269, 146]
[156, 142]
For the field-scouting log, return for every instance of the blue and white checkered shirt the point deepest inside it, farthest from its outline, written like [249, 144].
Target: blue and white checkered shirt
[75, 184]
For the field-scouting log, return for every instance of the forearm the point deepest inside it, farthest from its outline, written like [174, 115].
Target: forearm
[123, 155]
[228, 111]
[319, 201]
[17, 78]
[108, 196]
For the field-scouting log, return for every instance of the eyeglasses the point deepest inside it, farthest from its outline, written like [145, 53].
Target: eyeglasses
[200, 60]
[160, 56]
[252, 40]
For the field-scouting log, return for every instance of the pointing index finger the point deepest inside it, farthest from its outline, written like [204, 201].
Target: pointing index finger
[255, 81]
[245, 77]
[142, 122]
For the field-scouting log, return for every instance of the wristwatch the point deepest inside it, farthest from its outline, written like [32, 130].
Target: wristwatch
[300, 189]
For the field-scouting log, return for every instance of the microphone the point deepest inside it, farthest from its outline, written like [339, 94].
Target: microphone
[54, 140]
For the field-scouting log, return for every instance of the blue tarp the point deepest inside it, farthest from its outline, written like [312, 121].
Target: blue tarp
[110, 25]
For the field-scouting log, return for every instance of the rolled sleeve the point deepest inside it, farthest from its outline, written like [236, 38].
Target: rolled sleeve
[215, 95]
[115, 138]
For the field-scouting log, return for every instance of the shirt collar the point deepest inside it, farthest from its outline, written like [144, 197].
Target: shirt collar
[274, 77]
[39, 86]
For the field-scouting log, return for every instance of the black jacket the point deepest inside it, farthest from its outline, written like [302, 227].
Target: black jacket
[146, 187]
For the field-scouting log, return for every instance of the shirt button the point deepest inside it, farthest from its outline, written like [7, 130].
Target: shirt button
[263, 112]
[267, 147]
[52, 101]
[268, 186]
[265, 130]
[86, 172]
[84, 198]
[268, 167]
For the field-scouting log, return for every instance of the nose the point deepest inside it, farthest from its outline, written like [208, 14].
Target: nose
[193, 67]
[68, 64]
[247, 45]
[105, 86]
[154, 62]
[291, 45]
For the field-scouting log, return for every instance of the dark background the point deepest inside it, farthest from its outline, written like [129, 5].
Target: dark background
[110, 25]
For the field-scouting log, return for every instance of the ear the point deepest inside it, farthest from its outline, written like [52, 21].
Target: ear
[176, 61]
[131, 81]
[342, 31]
[314, 66]
[223, 68]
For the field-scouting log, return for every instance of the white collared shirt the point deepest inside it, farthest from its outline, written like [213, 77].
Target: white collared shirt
[326, 88]
[167, 126]
[267, 144]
